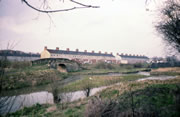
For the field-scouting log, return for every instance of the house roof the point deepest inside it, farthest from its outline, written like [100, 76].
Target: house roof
[17, 53]
[78, 53]
[132, 56]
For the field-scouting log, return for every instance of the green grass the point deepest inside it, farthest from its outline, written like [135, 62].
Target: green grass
[165, 73]
[169, 71]
[110, 94]
[95, 71]
[34, 111]
[97, 81]
[41, 111]
[30, 77]
[76, 111]
[148, 97]
[158, 98]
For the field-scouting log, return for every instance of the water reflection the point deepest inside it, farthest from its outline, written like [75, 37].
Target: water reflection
[157, 78]
[144, 73]
[73, 96]
[14, 103]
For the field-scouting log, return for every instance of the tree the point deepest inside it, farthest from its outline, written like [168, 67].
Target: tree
[169, 24]
[45, 8]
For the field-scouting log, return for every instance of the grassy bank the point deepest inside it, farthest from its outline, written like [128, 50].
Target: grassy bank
[158, 98]
[30, 76]
[104, 68]
[22, 74]
[150, 98]
[171, 71]
[97, 81]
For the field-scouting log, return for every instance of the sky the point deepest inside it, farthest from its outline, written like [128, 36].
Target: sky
[118, 26]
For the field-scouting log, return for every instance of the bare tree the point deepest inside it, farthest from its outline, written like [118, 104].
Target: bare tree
[87, 86]
[169, 24]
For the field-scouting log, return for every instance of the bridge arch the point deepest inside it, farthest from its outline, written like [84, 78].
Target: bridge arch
[62, 67]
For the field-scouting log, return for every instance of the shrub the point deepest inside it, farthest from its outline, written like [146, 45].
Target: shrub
[87, 86]
[126, 66]
[94, 107]
[103, 65]
[20, 64]
[141, 65]
[154, 101]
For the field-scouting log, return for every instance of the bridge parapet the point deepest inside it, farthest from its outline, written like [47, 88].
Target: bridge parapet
[63, 65]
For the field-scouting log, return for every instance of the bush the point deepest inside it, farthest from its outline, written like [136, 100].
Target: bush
[4, 63]
[154, 101]
[87, 86]
[95, 107]
[103, 65]
[20, 64]
[126, 66]
[141, 65]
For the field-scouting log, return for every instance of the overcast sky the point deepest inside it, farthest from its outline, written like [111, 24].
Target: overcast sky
[123, 26]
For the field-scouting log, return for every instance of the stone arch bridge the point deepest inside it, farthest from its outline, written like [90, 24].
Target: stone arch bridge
[61, 64]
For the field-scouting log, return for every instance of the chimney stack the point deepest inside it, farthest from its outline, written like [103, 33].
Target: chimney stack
[45, 47]
[67, 49]
[117, 54]
[111, 53]
[57, 48]
[85, 51]
[92, 51]
[77, 50]
[105, 52]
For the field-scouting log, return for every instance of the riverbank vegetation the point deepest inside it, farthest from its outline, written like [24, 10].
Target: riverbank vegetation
[22, 74]
[145, 98]
[30, 76]
[124, 95]
[98, 81]
[171, 71]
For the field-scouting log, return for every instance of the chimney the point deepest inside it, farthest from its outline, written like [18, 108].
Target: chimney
[111, 53]
[99, 52]
[85, 51]
[92, 51]
[45, 47]
[67, 49]
[117, 54]
[57, 48]
[77, 50]
[105, 52]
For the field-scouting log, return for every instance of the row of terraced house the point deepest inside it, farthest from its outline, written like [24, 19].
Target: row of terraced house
[92, 57]
[76, 55]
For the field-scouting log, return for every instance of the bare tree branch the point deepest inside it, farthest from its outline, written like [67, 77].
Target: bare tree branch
[60, 10]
